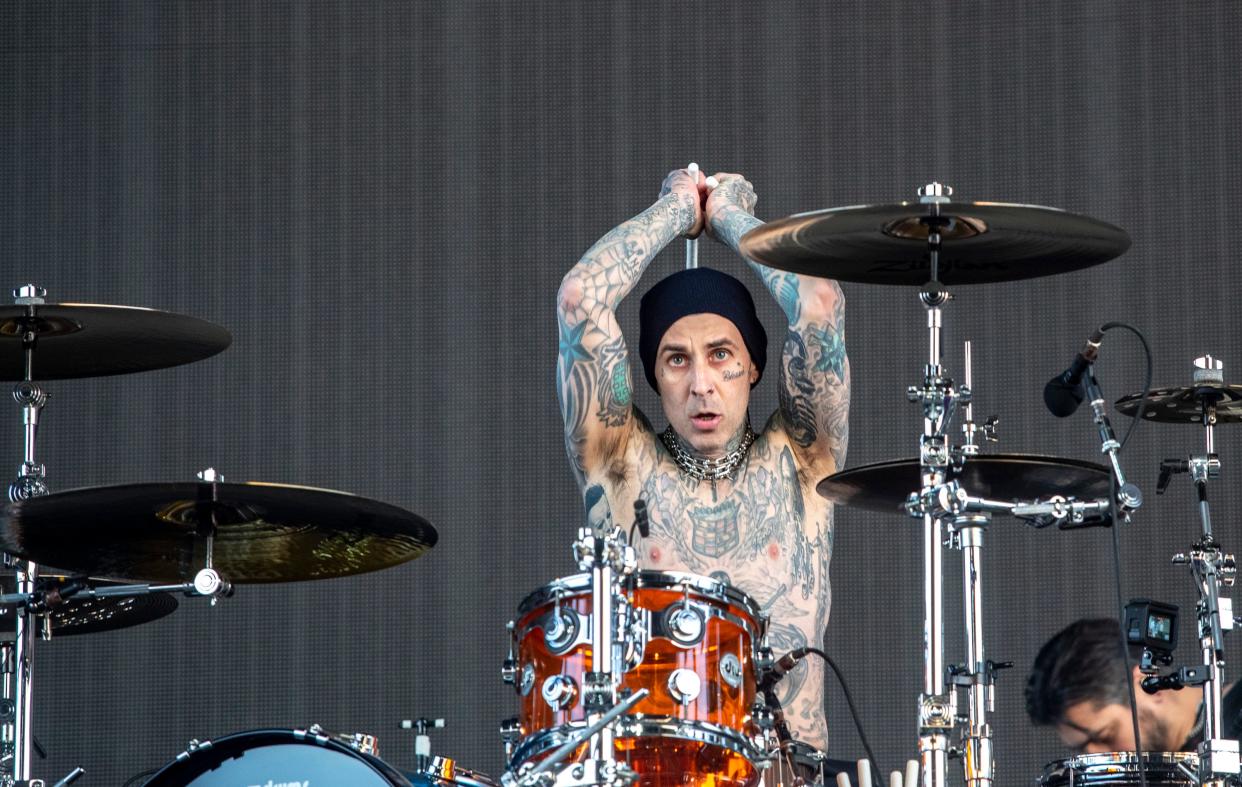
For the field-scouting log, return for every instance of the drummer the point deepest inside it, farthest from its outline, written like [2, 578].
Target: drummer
[723, 500]
[1078, 685]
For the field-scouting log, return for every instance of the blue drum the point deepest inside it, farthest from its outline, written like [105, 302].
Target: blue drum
[280, 758]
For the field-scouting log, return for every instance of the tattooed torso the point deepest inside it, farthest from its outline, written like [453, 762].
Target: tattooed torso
[767, 533]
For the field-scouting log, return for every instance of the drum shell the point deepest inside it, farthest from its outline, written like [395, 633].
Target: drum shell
[713, 732]
[279, 755]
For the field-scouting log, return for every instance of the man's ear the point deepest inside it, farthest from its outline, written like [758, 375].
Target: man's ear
[754, 373]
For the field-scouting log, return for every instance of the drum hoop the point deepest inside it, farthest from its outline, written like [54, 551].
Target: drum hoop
[645, 727]
[583, 637]
[1087, 768]
[266, 737]
[657, 580]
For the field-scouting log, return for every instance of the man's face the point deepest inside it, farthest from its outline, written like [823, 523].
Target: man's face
[1091, 728]
[704, 373]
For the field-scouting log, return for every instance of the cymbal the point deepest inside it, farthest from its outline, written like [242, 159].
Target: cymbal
[262, 532]
[83, 614]
[1183, 405]
[92, 340]
[885, 486]
[981, 242]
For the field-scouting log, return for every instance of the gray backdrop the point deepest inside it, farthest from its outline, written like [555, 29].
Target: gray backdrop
[379, 200]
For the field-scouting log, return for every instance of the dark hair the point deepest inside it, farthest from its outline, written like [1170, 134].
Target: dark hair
[1083, 662]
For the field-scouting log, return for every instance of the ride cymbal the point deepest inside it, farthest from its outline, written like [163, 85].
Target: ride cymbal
[75, 340]
[980, 242]
[256, 532]
[885, 486]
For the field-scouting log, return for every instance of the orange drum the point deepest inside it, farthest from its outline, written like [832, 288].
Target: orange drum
[692, 642]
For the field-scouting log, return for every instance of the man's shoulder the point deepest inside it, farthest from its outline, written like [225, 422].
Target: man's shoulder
[773, 445]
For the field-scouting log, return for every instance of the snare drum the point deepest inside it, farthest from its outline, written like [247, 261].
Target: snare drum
[692, 641]
[1120, 768]
[279, 757]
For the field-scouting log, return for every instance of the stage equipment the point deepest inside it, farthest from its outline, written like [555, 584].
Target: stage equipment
[934, 243]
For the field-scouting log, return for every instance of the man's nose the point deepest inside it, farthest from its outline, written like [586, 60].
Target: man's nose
[702, 381]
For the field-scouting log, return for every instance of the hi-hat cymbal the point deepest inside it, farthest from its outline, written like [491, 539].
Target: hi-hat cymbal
[262, 532]
[885, 486]
[1185, 405]
[92, 340]
[980, 242]
[83, 614]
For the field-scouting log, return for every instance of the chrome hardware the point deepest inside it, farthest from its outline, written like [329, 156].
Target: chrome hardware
[731, 670]
[684, 685]
[559, 691]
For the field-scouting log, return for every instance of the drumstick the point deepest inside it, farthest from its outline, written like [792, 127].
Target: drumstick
[864, 773]
[894, 779]
[692, 244]
[843, 780]
[912, 773]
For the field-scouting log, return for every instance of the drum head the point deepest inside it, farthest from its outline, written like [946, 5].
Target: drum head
[275, 758]
[1119, 769]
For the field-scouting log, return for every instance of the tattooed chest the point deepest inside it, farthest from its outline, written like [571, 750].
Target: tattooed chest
[762, 527]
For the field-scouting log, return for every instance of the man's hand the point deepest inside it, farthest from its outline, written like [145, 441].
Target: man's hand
[689, 191]
[733, 192]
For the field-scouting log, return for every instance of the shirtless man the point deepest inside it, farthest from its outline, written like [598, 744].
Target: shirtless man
[723, 501]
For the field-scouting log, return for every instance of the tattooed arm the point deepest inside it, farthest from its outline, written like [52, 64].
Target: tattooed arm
[814, 386]
[593, 380]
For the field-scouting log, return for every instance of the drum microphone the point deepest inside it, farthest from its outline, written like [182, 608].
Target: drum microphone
[640, 518]
[1064, 393]
[784, 664]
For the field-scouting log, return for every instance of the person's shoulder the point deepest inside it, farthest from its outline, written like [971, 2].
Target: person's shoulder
[773, 444]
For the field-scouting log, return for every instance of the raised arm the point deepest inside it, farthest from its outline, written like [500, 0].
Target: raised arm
[814, 385]
[593, 380]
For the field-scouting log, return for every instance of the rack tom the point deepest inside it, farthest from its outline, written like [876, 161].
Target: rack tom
[691, 643]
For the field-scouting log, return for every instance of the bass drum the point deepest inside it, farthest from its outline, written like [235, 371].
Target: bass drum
[1120, 769]
[277, 758]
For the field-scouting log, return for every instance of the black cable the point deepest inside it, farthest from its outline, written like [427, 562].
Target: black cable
[849, 700]
[1142, 409]
[133, 781]
[1125, 645]
[1112, 495]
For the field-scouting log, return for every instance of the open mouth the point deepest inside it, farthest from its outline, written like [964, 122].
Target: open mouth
[706, 421]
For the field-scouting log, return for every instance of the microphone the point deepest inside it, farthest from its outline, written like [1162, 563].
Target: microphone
[640, 518]
[785, 663]
[1064, 393]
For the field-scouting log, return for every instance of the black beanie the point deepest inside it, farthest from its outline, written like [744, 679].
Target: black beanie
[698, 291]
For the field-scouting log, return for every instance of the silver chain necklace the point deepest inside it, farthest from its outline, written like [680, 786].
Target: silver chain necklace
[707, 469]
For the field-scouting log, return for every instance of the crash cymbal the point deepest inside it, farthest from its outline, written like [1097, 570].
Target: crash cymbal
[92, 340]
[82, 614]
[262, 532]
[981, 242]
[1184, 405]
[885, 486]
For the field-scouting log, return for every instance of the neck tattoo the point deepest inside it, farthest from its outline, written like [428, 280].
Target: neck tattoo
[707, 469]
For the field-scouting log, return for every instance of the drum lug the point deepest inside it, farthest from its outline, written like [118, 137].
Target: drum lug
[559, 691]
[684, 685]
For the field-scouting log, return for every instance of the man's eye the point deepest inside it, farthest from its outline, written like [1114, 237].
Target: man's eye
[676, 360]
[721, 355]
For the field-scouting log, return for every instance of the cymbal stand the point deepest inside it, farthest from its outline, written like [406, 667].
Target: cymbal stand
[937, 707]
[30, 483]
[1212, 569]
